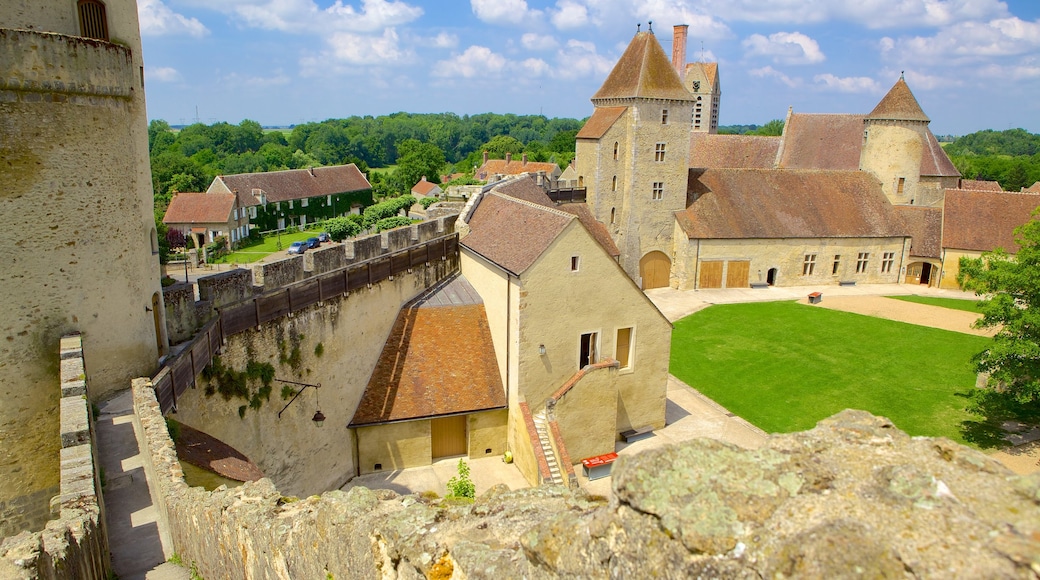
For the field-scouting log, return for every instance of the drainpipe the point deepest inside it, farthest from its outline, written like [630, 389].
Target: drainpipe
[509, 339]
[902, 262]
[697, 267]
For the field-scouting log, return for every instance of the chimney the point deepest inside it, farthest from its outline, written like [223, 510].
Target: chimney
[525, 159]
[311, 169]
[679, 48]
[509, 158]
[485, 157]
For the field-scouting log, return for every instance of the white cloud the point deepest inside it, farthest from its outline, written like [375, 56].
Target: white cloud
[847, 84]
[157, 19]
[580, 59]
[239, 80]
[533, 41]
[667, 13]
[162, 74]
[505, 12]
[306, 17]
[966, 42]
[476, 61]
[442, 40]
[570, 14]
[369, 50]
[785, 48]
[770, 72]
[869, 13]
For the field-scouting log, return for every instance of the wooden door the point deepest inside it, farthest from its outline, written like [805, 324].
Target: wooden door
[655, 269]
[448, 436]
[737, 274]
[711, 275]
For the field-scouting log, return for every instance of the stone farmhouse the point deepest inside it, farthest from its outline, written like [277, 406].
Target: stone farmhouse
[836, 199]
[205, 217]
[296, 197]
[426, 189]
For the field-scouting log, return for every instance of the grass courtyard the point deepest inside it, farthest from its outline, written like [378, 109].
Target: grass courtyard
[784, 366]
[954, 303]
[269, 245]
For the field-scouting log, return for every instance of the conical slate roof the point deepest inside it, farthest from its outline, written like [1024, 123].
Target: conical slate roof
[643, 71]
[899, 105]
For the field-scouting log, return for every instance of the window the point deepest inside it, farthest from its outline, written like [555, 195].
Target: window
[234, 213]
[588, 348]
[809, 265]
[575, 261]
[886, 261]
[615, 150]
[92, 20]
[623, 348]
[613, 184]
[252, 212]
[658, 191]
[900, 185]
[861, 262]
[664, 116]
[659, 152]
[696, 85]
[290, 204]
[328, 199]
[612, 214]
[303, 202]
[837, 263]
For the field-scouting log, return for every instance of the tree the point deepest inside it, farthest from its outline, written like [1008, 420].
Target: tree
[416, 160]
[499, 145]
[1010, 291]
[774, 128]
[341, 228]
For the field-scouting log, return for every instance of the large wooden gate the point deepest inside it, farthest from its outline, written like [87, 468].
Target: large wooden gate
[737, 274]
[710, 275]
[655, 268]
[448, 436]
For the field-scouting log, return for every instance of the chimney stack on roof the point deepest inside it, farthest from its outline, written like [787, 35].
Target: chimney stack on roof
[485, 157]
[509, 158]
[679, 48]
[311, 169]
[524, 159]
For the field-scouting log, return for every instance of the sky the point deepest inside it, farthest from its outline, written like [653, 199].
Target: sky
[972, 64]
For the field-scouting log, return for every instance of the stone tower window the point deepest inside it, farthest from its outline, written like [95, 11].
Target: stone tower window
[613, 184]
[664, 116]
[92, 20]
[659, 152]
[615, 150]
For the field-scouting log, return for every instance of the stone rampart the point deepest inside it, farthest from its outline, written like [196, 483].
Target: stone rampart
[853, 494]
[226, 288]
[274, 275]
[181, 318]
[75, 545]
[323, 260]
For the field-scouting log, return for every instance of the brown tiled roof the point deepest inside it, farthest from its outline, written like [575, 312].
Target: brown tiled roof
[815, 141]
[643, 71]
[424, 187]
[513, 233]
[769, 204]
[983, 220]
[595, 227]
[899, 105]
[438, 360]
[200, 208]
[602, 119]
[514, 167]
[733, 151]
[925, 227]
[296, 183]
[710, 71]
[525, 189]
[979, 185]
[1035, 188]
[934, 160]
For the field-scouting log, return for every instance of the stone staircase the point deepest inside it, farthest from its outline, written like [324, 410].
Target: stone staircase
[541, 426]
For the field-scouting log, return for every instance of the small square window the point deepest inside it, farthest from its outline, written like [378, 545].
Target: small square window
[574, 263]
[658, 191]
[303, 202]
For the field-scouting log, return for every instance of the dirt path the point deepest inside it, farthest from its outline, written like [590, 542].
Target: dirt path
[909, 312]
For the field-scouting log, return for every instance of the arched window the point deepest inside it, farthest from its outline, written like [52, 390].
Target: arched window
[612, 214]
[613, 184]
[615, 150]
[93, 23]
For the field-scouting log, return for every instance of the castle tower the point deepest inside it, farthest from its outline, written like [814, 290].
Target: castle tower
[900, 150]
[633, 157]
[76, 222]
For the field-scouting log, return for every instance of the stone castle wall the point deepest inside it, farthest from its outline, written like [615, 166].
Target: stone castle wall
[855, 493]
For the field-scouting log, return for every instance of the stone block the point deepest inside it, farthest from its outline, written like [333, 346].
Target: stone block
[75, 422]
[227, 288]
[76, 388]
[72, 370]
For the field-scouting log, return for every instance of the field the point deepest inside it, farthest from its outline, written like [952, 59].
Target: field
[954, 303]
[784, 366]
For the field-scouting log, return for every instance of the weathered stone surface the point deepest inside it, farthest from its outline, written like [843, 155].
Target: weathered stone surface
[852, 497]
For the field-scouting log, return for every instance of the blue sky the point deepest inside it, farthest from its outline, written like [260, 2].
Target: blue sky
[973, 64]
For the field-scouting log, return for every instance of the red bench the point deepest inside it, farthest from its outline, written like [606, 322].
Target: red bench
[598, 466]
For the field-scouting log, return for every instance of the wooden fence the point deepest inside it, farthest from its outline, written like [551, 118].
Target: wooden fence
[179, 372]
[571, 195]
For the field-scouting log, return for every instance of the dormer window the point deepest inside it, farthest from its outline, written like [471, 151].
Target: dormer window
[93, 22]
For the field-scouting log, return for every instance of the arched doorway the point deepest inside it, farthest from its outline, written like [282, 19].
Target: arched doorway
[655, 269]
[919, 273]
[771, 277]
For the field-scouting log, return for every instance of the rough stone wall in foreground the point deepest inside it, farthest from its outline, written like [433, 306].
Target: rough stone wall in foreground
[853, 494]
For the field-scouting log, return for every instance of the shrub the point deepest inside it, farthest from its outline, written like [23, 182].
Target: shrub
[342, 228]
[461, 485]
[426, 202]
[392, 222]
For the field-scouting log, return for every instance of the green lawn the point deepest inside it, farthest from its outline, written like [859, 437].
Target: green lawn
[954, 303]
[255, 253]
[784, 366]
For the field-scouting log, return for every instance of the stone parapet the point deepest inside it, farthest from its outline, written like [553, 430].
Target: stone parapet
[75, 545]
[229, 287]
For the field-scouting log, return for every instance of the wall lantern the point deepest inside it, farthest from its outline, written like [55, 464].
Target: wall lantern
[541, 349]
[319, 417]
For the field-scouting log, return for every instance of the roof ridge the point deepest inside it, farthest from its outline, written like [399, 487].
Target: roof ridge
[531, 204]
[289, 170]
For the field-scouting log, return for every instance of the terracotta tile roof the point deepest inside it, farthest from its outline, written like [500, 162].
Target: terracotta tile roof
[514, 166]
[924, 225]
[643, 71]
[424, 187]
[1035, 188]
[934, 160]
[438, 360]
[525, 189]
[733, 151]
[511, 232]
[983, 220]
[295, 183]
[595, 227]
[977, 185]
[815, 141]
[200, 208]
[710, 71]
[763, 203]
[602, 119]
[899, 105]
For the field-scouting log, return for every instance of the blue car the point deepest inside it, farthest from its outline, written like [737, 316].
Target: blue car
[297, 247]
[313, 243]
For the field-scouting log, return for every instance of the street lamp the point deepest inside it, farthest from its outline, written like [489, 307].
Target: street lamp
[319, 417]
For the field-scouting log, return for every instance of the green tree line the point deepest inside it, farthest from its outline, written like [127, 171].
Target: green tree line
[1010, 157]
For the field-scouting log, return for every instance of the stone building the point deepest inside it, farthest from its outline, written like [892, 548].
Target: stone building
[73, 137]
[206, 217]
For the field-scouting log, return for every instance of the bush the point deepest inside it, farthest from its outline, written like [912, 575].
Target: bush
[461, 485]
[217, 248]
[386, 209]
[342, 228]
[392, 222]
[426, 202]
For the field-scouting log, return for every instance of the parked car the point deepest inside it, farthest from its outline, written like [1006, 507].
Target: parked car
[324, 237]
[297, 247]
[313, 243]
